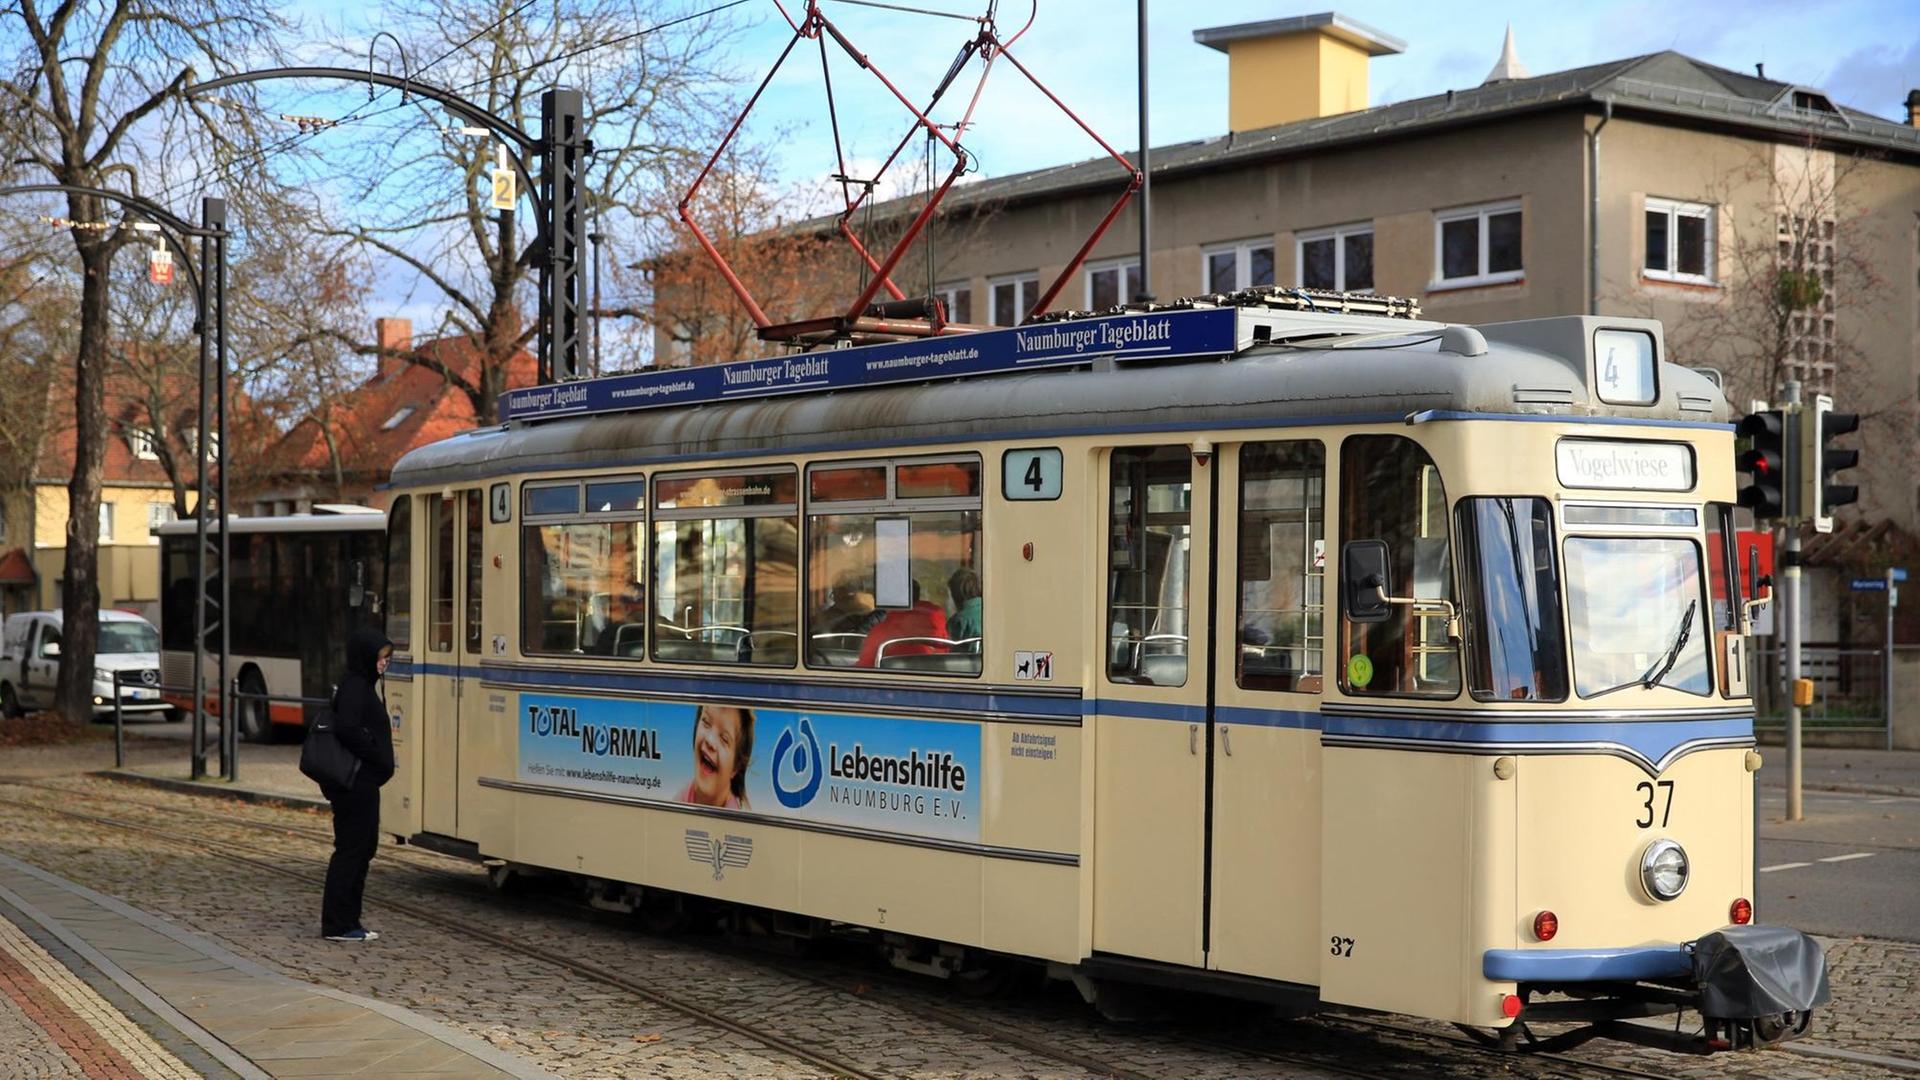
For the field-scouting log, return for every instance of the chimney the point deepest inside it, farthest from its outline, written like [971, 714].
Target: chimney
[392, 334]
[1299, 68]
[1913, 108]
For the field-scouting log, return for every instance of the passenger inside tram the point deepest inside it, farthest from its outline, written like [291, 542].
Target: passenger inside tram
[964, 624]
[851, 610]
[920, 630]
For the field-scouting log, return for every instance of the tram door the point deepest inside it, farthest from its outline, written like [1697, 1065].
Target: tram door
[452, 651]
[1151, 725]
[1263, 896]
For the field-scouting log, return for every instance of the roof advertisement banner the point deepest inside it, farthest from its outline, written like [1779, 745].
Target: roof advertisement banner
[1148, 335]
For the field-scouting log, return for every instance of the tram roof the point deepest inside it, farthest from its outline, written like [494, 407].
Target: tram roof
[355, 519]
[1368, 373]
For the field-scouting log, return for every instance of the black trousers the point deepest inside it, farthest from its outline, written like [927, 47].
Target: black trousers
[356, 832]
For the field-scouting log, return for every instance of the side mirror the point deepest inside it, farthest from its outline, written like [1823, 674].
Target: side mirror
[1366, 581]
[50, 651]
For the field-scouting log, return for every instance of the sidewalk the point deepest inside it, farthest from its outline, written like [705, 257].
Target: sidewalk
[268, 774]
[1869, 772]
[92, 987]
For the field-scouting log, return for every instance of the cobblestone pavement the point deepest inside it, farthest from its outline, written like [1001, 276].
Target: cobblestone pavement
[843, 1008]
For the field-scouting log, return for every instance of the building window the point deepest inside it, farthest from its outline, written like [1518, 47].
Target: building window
[3, 523]
[140, 441]
[1679, 241]
[1242, 265]
[958, 300]
[158, 514]
[1112, 283]
[1013, 297]
[1340, 259]
[106, 523]
[191, 437]
[399, 417]
[1478, 245]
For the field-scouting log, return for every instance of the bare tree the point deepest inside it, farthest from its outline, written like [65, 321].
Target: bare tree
[1788, 254]
[424, 199]
[95, 95]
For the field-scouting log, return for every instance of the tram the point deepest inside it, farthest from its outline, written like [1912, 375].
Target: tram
[1281, 645]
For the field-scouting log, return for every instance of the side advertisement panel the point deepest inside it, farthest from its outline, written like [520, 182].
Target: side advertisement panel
[907, 777]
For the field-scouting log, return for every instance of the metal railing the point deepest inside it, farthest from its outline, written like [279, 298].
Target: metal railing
[1851, 690]
[229, 725]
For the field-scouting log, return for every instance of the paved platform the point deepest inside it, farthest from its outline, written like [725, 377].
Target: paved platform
[91, 986]
[268, 774]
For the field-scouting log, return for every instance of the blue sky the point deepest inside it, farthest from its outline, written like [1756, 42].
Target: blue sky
[1866, 54]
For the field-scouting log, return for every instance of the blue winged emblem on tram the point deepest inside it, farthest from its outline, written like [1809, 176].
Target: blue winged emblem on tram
[719, 852]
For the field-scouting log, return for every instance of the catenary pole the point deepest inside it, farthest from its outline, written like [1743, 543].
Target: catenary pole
[1790, 572]
[1146, 171]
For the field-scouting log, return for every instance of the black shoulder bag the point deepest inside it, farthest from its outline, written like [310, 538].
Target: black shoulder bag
[324, 759]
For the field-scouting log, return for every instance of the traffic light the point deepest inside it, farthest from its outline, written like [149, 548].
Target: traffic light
[1819, 461]
[1764, 490]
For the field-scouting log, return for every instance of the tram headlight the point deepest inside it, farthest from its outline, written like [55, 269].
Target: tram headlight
[1663, 870]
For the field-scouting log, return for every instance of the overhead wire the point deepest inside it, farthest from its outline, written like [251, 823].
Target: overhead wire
[364, 112]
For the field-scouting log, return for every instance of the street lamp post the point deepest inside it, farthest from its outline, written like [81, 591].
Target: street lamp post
[209, 292]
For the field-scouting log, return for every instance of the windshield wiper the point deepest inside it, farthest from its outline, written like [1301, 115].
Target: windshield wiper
[1652, 676]
[1659, 671]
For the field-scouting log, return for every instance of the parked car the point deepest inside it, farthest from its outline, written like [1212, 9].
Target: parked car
[30, 664]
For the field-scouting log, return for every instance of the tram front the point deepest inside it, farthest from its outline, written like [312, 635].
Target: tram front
[1576, 791]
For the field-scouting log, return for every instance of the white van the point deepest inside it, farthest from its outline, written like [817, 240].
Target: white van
[30, 663]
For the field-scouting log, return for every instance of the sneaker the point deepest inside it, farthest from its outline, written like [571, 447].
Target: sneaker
[370, 935]
[351, 935]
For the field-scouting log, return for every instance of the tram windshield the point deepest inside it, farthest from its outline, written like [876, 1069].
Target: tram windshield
[1516, 635]
[1637, 614]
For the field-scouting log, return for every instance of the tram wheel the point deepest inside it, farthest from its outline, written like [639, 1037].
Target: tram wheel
[252, 714]
[662, 912]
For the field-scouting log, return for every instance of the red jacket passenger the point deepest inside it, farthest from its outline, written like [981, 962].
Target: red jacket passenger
[923, 619]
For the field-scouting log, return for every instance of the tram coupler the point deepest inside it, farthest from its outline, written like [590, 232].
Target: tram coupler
[1758, 984]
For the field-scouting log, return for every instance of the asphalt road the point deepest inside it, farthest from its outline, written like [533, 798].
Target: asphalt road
[1852, 866]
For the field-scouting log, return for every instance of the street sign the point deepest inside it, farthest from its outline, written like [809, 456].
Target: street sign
[504, 195]
[1899, 573]
[1869, 584]
[160, 266]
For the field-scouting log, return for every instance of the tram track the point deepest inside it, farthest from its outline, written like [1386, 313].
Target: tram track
[969, 1019]
[594, 972]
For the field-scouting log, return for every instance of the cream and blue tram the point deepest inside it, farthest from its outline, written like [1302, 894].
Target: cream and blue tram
[1275, 648]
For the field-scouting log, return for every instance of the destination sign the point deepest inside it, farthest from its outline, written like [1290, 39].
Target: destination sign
[1624, 466]
[1152, 335]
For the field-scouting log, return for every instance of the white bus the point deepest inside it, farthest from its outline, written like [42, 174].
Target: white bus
[300, 584]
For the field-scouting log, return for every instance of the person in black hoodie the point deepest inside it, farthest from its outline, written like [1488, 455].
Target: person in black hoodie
[362, 726]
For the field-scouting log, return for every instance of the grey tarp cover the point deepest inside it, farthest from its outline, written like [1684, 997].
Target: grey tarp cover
[1746, 972]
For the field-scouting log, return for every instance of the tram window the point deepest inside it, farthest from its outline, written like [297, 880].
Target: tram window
[551, 499]
[726, 568]
[617, 497]
[1148, 565]
[1282, 566]
[399, 603]
[582, 588]
[1634, 614]
[1516, 636]
[893, 566]
[1391, 491]
[440, 575]
[476, 513]
[1723, 567]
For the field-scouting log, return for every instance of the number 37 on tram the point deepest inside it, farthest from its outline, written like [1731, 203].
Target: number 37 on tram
[1335, 656]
